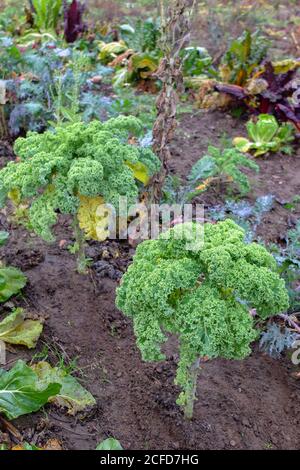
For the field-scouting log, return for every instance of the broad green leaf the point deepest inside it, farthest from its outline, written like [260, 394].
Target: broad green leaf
[202, 169]
[196, 61]
[72, 395]
[286, 65]
[12, 280]
[140, 171]
[21, 393]
[3, 237]
[127, 28]
[109, 444]
[15, 329]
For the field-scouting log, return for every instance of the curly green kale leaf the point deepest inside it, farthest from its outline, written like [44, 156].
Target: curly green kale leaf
[203, 295]
[56, 168]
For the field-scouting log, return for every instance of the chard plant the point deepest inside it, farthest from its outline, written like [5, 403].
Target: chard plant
[46, 14]
[202, 293]
[244, 54]
[25, 389]
[74, 170]
[272, 89]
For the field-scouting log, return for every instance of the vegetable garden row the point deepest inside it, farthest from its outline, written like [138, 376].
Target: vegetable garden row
[103, 326]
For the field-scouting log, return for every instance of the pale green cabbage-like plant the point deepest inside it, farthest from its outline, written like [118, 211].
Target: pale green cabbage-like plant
[266, 135]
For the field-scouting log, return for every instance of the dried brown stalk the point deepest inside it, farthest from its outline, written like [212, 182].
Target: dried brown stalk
[175, 26]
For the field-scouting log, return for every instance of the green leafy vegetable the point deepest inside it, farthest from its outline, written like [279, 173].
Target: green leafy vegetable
[46, 14]
[110, 51]
[266, 135]
[223, 164]
[21, 393]
[72, 395]
[197, 61]
[143, 36]
[142, 65]
[244, 54]
[3, 237]
[109, 444]
[202, 293]
[15, 329]
[56, 169]
[12, 280]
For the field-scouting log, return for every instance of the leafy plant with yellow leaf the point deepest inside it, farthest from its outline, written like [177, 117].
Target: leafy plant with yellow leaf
[78, 169]
[219, 165]
[243, 56]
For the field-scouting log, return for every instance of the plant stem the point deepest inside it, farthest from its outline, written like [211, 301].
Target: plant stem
[175, 36]
[80, 243]
[190, 391]
[291, 322]
[3, 126]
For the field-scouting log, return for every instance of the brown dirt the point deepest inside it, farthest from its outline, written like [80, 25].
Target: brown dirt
[242, 404]
[279, 174]
[250, 404]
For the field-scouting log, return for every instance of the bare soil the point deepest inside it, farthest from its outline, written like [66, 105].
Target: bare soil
[250, 404]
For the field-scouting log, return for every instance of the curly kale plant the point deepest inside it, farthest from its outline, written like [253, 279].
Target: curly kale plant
[75, 169]
[222, 165]
[203, 295]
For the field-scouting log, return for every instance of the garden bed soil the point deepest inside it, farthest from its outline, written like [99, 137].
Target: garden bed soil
[250, 404]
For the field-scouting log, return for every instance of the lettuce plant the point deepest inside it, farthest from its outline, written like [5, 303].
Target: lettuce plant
[202, 293]
[266, 135]
[75, 169]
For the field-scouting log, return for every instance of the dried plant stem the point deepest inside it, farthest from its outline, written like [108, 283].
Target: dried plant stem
[3, 125]
[290, 321]
[175, 21]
